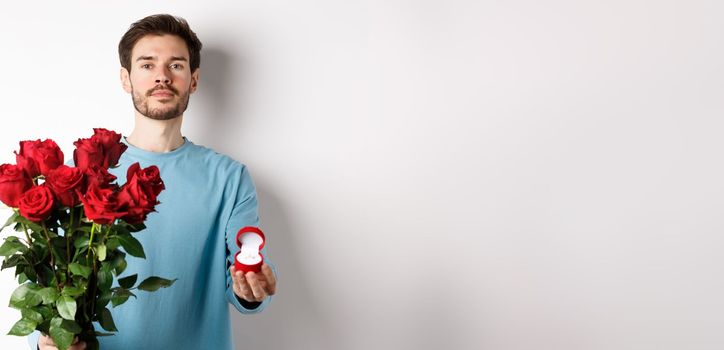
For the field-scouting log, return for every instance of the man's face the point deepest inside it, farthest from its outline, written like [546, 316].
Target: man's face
[160, 80]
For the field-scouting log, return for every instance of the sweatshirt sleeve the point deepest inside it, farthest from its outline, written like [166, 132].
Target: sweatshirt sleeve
[33, 339]
[244, 213]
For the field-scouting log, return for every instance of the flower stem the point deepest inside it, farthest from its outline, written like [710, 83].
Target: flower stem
[68, 236]
[30, 242]
[93, 295]
[108, 232]
[90, 242]
[52, 259]
[30, 249]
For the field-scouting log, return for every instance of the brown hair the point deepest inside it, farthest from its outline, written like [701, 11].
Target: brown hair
[159, 25]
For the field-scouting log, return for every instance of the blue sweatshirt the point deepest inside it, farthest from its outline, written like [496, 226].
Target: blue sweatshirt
[191, 237]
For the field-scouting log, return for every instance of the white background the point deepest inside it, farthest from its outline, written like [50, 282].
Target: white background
[434, 174]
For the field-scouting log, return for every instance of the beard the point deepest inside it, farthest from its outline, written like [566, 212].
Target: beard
[168, 111]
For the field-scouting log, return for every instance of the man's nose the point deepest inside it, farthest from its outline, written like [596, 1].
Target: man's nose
[163, 76]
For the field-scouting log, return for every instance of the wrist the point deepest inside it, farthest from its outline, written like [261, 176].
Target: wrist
[247, 304]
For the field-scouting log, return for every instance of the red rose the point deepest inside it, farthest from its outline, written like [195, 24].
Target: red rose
[37, 203]
[13, 183]
[138, 195]
[38, 157]
[148, 177]
[101, 205]
[64, 181]
[88, 153]
[111, 144]
[136, 201]
[98, 176]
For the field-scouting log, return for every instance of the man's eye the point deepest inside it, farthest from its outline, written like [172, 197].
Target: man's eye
[146, 65]
[176, 66]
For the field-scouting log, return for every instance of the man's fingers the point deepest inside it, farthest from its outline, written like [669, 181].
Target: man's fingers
[271, 280]
[77, 345]
[46, 340]
[246, 291]
[252, 286]
[259, 293]
[48, 343]
[241, 287]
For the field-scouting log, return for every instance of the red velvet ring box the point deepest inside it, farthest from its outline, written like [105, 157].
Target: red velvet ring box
[250, 239]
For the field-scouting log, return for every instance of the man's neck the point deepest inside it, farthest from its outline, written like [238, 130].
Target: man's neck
[158, 136]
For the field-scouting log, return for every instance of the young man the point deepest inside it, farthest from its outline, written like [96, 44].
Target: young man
[208, 198]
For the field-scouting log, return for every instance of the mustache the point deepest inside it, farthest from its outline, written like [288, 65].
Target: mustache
[162, 87]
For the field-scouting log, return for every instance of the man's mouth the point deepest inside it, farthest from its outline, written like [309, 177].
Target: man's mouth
[162, 93]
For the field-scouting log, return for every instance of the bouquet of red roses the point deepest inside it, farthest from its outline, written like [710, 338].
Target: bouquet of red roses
[76, 226]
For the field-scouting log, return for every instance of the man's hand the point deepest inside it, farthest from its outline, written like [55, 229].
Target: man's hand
[254, 287]
[46, 343]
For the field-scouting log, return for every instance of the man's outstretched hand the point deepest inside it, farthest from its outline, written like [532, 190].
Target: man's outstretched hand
[254, 287]
[46, 343]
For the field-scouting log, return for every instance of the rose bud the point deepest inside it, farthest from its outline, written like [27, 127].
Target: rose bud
[13, 183]
[39, 157]
[37, 203]
[64, 181]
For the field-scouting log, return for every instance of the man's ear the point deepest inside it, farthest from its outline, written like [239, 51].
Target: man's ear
[194, 80]
[126, 80]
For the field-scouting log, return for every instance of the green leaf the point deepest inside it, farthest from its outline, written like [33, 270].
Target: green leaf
[23, 327]
[10, 221]
[119, 299]
[11, 246]
[32, 315]
[45, 326]
[47, 275]
[113, 243]
[119, 262]
[103, 299]
[80, 270]
[25, 296]
[67, 307]
[128, 282]
[105, 277]
[121, 296]
[106, 321]
[153, 283]
[136, 227]
[61, 336]
[81, 242]
[70, 326]
[59, 251]
[84, 228]
[132, 246]
[22, 277]
[30, 274]
[12, 261]
[49, 295]
[72, 291]
[29, 224]
[44, 310]
[101, 251]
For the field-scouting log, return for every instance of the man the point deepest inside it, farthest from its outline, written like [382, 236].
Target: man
[208, 198]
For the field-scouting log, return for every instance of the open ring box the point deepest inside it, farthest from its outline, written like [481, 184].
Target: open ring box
[251, 240]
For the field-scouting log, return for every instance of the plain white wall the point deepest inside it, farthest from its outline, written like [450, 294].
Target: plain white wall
[435, 174]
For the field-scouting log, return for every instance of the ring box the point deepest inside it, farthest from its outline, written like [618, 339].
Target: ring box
[251, 240]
